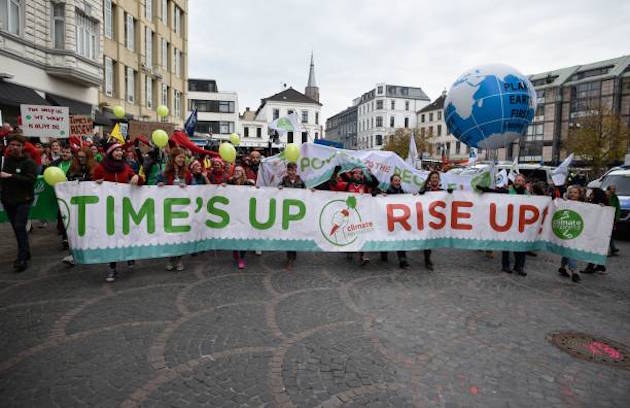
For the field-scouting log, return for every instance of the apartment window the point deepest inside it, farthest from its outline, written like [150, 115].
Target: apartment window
[379, 90]
[448, 148]
[109, 76]
[379, 140]
[148, 9]
[422, 118]
[439, 115]
[317, 118]
[379, 121]
[87, 34]
[304, 137]
[164, 11]
[178, 62]
[59, 25]
[371, 123]
[289, 137]
[379, 104]
[439, 130]
[164, 94]
[178, 21]
[226, 106]
[406, 105]
[431, 117]
[316, 135]
[458, 147]
[304, 116]
[276, 114]
[406, 122]
[130, 32]
[372, 108]
[178, 102]
[131, 84]
[148, 46]
[11, 16]
[393, 104]
[259, 132]
[392, 122]
[289, 111]
[109, 29]
[148, 91]
[245, 131]
[164, 56]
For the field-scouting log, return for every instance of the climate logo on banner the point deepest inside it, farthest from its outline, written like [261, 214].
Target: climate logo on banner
[567, 224]
[340, 222]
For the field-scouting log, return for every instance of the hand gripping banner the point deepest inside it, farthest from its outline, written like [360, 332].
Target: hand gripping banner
[115, 222]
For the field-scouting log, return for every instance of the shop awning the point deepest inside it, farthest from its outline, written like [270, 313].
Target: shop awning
[76, 107]
[15, 95]
[106, 118]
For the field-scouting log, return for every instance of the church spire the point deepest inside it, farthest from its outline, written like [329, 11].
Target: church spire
[312, 90]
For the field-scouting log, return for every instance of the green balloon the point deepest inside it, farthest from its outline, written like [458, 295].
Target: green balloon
[159, 137]
[162, 111]
[54, 175]
[119, 111]
[227, 152]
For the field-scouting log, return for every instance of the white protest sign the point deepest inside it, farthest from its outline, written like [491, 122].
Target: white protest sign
[45, 121]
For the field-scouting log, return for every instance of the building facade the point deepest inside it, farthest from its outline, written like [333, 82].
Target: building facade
[145, 57]
[217, 112]
[51, 53]
[384, 109]
[253, 131]
[342, 128]
[431, 125]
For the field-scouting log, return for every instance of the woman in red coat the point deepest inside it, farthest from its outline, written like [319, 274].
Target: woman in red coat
[115, 169]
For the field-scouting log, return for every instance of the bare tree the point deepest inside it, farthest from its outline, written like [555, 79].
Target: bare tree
[399, 142]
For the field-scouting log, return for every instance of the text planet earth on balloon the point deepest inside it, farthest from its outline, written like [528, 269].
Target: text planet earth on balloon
[54, 175]
[490, 106]
[227, 152]
[160, 138]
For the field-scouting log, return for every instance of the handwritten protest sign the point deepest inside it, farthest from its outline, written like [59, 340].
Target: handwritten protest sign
[45, 121]
[80, 126]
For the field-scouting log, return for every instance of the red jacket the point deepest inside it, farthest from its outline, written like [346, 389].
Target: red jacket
[123, 176]
[350, 187]
[169, 179]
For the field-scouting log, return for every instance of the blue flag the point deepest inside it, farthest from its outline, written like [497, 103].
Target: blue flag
[191, 123]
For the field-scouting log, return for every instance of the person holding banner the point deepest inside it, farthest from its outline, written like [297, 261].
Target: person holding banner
[176, 174]
[239, 178]
[63, 162]
[518, 187]
[251, 165]
[433, 183]
[18, 176]
[113, 168]
[217, 175]
[198, 173]
[598, 196]
[573, 193]
[291, 180]
[396, 188]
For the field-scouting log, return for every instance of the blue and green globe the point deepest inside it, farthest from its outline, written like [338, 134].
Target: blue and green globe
[490, 106]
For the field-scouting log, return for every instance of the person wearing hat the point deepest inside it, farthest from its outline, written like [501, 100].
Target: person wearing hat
[17, 180]
[115, 169]
[198, 173]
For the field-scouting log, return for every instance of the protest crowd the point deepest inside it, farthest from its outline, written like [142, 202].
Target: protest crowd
[138, 162]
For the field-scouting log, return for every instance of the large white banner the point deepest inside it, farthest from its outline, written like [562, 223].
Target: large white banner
[110, 222]
[317, 164]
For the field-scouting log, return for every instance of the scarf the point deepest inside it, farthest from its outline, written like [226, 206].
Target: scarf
[113, 166]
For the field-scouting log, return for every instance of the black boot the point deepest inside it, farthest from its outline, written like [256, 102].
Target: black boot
[563, 272]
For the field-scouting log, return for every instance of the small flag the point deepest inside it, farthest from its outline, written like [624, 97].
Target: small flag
[116, 134]
[285, 124]
[191, 123]
[412, 156]
[501, 179]
[559, 174]
[513, 170]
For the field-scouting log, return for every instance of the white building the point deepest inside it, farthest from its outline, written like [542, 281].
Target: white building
[217, 112]
[384, 109]
[253, 131]
[431, 124]
[50, 53]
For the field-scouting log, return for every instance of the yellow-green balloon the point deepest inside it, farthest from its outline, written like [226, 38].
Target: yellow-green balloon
[162, 111]
[235, 139]
[227, 152]
[159, 137]
[292, 152]
[119, 111]
[54, 175]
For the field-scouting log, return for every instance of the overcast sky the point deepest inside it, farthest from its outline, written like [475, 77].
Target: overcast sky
[253, 47]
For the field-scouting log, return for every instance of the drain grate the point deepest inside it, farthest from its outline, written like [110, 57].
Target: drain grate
[590, 348]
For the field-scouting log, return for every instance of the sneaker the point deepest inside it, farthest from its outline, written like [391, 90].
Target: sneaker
[259, 253]
[588, 269]
[131, 264]
[363, 261]
[169, 266]
[384, 257]
[601, 269]
[563, 272]
[289, 265]
[575, 277]
[428, 265]
[68, 260]
[111, 275]
[20, 266]
[241, 264]
[531, 253]
[179, 266]
[520, 272]
[506, 270]
[64, 245]
[403, 264]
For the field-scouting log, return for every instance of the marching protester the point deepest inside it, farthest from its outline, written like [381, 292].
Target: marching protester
[251, 166]
[199, 175]
[396, 188]
[599, 197]
[130, 157]
[176, 174]
[151, 166]
[574, 193]
[239, 178]
[217, 175]
[433, 183]
[18, 176]
[113, 168]
[63, 162]
[291, 180]
[613, 201]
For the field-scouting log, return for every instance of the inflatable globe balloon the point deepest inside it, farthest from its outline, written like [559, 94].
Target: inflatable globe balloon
[119, 111]
[159, 137]
[292, 152]
[490, 106]
[235, 139]
[162, 111]
[227, 152]
[54, 175]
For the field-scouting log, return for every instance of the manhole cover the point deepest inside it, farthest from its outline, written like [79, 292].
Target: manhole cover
[589, 348]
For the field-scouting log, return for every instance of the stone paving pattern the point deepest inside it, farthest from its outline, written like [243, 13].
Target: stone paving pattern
[327, 334]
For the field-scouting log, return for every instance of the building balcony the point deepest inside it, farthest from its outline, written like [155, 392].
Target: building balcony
[74, 68]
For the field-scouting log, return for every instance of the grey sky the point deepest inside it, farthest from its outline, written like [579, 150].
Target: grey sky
[252, 47]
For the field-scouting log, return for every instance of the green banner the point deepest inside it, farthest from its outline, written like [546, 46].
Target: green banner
[44, 206]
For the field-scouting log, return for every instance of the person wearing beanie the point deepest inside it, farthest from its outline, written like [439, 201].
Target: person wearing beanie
[199, 174]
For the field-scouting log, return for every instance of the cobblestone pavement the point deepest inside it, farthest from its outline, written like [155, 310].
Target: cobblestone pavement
[327, 334]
